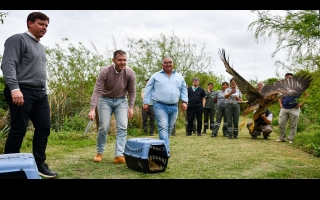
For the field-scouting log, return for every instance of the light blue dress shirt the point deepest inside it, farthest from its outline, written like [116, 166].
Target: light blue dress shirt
[165, 89]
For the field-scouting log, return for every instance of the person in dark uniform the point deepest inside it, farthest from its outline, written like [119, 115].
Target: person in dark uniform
[209, 108]
[197, 100]
[221, 111]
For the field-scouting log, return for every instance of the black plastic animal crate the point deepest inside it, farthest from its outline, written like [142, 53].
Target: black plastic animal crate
[146, 155]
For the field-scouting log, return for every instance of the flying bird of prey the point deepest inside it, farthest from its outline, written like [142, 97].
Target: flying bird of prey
[269, 94]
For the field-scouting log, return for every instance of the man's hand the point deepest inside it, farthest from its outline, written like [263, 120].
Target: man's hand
[184, 106]
[92, 114]
[17, 97]
[130, 112]
[145, 107]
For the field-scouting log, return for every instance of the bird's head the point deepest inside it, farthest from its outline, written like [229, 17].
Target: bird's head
[273, 97]
[276, 96]
[279, 95]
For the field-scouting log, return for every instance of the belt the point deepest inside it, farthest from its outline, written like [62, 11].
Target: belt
[26, 86]
[165, 103]
[32, 87]
[103, 96]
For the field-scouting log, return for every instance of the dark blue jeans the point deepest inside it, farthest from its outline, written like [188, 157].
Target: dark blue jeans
[36, 108]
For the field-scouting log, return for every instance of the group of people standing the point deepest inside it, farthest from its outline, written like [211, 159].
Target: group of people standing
[24, 70]
[212, 107]
[220, 104]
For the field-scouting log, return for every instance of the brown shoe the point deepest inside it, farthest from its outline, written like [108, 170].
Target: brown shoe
[280, 140]
[98, 157]
[119, 160]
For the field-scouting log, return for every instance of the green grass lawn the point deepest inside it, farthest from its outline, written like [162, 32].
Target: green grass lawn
[193, 157]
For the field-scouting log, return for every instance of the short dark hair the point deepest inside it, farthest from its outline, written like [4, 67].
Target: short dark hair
[147, 79]
[233, 80]
[225, 83]
[210, 84]
[121, 52]
[288, 74]
[36, 15]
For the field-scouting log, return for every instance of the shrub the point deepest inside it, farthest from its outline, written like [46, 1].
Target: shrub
[75, 123]
[3, 137]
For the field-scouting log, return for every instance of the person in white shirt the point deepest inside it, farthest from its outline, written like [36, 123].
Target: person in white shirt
[261, 124]
[233, 97]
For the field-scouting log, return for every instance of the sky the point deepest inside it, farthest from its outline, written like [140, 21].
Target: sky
[214, 29]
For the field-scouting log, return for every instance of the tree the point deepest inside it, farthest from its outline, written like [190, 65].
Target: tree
[147, 54]
[3, 15]
[297, 33]
[72, 74]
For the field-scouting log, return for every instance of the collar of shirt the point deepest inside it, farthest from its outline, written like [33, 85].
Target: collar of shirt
[162, 71]
[30, 34]
[114, 67]
[194, 88]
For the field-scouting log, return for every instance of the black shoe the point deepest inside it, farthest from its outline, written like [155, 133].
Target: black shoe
[213, 135]
[198, 134]
[188, 134]
[44, 171]
[254, 137]
[265, 137]
[259, 134]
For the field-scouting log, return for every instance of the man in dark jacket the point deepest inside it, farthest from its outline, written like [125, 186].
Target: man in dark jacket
[197, 100]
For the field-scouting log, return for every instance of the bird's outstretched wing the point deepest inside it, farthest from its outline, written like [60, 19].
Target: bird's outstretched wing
[252, 94]
[288, 87]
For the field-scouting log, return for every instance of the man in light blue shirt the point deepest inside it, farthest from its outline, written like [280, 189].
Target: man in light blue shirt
[165, 88]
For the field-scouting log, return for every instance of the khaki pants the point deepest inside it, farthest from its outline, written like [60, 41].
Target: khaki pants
[286, 115]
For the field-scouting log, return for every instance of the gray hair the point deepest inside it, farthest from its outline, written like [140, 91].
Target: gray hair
[165, 58]
[260, 82]
[195, 79]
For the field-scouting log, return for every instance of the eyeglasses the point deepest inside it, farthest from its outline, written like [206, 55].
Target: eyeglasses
[170, 62]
